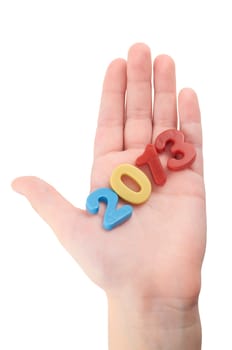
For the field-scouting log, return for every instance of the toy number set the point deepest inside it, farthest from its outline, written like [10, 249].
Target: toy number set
[183, 155]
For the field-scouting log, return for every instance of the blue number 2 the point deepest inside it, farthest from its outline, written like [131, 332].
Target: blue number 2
[112, 217]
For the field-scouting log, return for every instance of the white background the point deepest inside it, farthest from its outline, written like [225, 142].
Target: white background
[53, 55]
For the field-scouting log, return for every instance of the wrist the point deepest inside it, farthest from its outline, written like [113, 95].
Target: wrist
[150, 324]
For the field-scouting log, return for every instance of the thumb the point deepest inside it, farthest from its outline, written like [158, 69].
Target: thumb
[65, 220]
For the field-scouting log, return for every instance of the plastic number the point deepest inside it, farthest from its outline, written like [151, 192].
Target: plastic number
[151, 158]
[124, 191]
[112, 217]
[179, 147]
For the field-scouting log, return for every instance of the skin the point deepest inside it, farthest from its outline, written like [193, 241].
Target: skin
[150, 266]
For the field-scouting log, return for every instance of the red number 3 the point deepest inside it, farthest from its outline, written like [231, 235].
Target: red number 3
[179, 148]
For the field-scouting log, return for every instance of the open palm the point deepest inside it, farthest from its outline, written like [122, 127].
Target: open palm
[159, 251]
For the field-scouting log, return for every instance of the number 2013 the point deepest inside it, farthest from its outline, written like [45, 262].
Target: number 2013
[183, 155]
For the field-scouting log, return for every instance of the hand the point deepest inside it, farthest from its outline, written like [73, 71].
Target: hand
[158, 253]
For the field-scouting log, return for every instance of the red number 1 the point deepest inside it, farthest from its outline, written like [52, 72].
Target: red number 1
[150, 157]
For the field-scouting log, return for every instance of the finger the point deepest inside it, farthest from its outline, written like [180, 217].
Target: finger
[138, 124]
[109, 133]
[165, 112]
[190, 124]
[56, 211]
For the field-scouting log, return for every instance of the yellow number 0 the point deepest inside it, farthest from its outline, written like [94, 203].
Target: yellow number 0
[124, 191]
